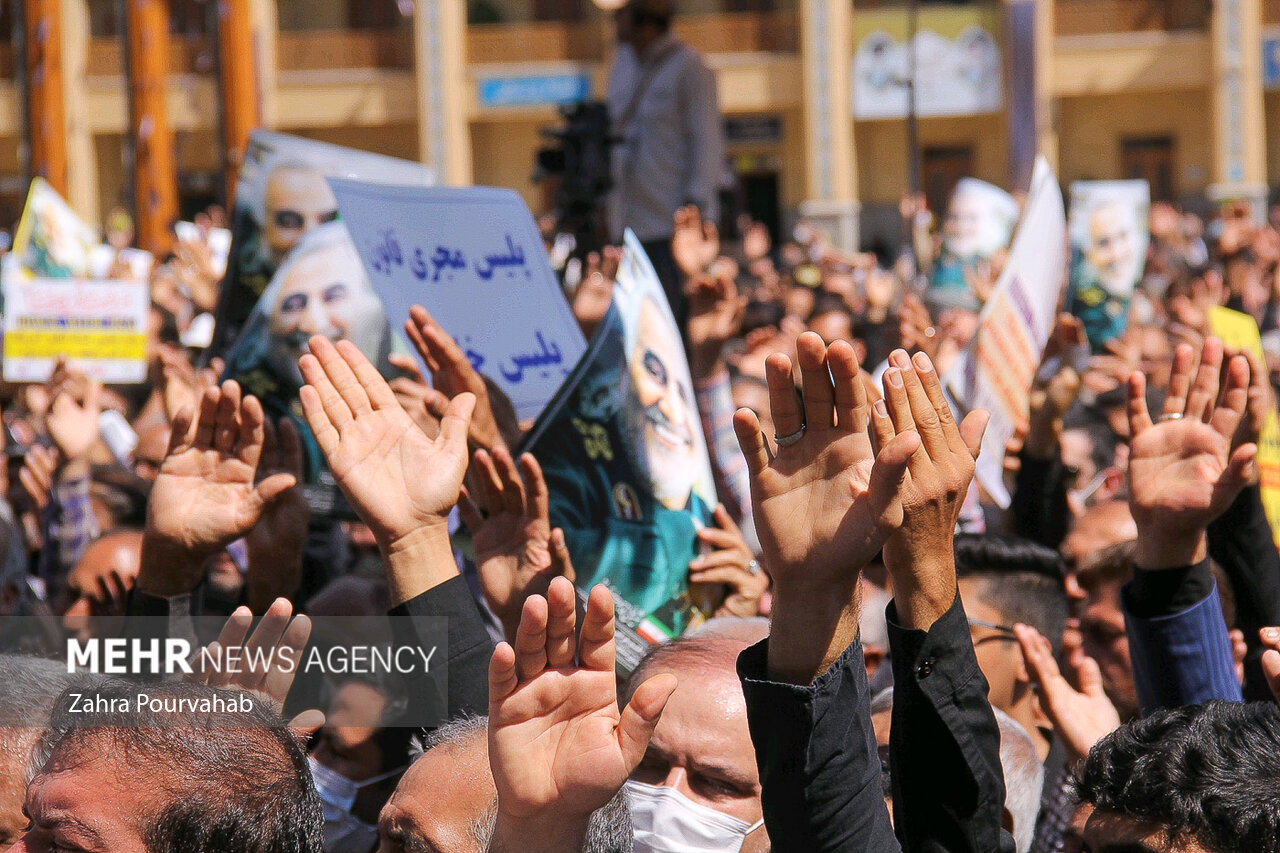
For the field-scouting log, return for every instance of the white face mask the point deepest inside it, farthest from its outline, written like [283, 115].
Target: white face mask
[343, 831]
[667, 821]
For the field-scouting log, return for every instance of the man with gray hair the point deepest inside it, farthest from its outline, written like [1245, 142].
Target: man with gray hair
[1023, 772]
[446, 801]
[31, 689]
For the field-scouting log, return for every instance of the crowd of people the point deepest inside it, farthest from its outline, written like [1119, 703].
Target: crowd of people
[892, 661]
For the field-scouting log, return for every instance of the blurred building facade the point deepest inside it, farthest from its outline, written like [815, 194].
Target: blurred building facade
[1185, 93]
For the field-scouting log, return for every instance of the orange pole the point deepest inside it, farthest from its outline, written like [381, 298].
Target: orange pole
[47, 120]
[238, 70]
[155, 174]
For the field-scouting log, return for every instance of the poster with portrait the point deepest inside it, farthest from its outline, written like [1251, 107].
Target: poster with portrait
[978, 223]
[281, 195]
[626, 464]
[957, 76]
[1109, 236]
[51, 240]
[319, 289]
[473, 257]
[995, 371]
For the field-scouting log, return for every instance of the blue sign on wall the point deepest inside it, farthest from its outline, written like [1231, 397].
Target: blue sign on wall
[537, 90]
[1271, 63]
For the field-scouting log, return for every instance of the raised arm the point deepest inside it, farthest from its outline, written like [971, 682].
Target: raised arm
[948, 790]
[824, 504]
[403, 485]
[559, 746]
[1183, 474]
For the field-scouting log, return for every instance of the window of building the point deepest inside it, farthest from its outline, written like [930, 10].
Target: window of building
[1151, 159]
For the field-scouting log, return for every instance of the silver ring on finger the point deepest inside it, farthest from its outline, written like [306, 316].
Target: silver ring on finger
[790, 438]
[1171, 416]
[753, 567]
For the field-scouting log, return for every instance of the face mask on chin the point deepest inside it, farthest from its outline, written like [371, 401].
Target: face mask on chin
[667, 821]
[343, 831]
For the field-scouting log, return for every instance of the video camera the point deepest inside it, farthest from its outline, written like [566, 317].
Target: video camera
[583, 163]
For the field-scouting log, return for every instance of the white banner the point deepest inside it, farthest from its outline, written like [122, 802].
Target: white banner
[953, 78]
[100, 326]
[996, 370]
[474, 259]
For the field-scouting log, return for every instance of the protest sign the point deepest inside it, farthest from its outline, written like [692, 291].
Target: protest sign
[626, 464]
[978, 224]
[320, 289]
[475, 260]
[281, 194]
[1240, 331]
[51, 241]
[1108, 250]
[100, 326]
[995, 372]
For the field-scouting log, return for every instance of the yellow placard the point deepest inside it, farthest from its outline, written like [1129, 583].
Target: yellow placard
[130, 346]
[1238, 331]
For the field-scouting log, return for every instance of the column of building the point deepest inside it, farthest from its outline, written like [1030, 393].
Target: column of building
[1238, 121]
[831, 173]
[444, 138]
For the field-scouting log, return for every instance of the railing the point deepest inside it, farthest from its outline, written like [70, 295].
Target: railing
[1097, 17]
[186, 56]
[724, 32]
[318, 50]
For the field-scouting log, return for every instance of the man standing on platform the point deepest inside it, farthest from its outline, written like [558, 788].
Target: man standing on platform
[664, 111]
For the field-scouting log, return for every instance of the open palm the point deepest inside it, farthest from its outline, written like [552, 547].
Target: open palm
[1177, 471]
[396, 478]
[204, 496]
[557, 740]
[827, 502]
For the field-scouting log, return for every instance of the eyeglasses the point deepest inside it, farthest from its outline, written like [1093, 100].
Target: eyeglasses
[1004, 632]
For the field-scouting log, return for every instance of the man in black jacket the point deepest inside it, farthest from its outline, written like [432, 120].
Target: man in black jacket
[824, 504]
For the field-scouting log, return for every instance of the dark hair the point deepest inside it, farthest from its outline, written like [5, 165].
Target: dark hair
[830, 303]
[1113, 564]
[1206, 772]
[231, 780]
[760, 315]
[1020, 578]
[1102, 437]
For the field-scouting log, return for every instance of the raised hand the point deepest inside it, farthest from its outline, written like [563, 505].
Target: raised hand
[1055, 388]
[39, 467]
[730, 563]
[1261, 402]
[559, 747]
[696, 241]
[452, 374]
[1082, 717]
[715, 316]
[919, 554]
[205, 495]
[508, 520]
[72, 422]
[594, 295]
[275, 545]
[1183, 472]
[277, 643]
[402, 484]
[824, 503]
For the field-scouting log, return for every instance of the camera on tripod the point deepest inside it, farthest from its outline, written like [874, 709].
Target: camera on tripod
[582, 161]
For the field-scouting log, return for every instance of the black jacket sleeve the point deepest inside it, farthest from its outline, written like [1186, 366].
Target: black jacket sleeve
[1240, 542]
[816, 750]
[1039, 506]
[462, 686]
[944, 744]
[820, 770]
